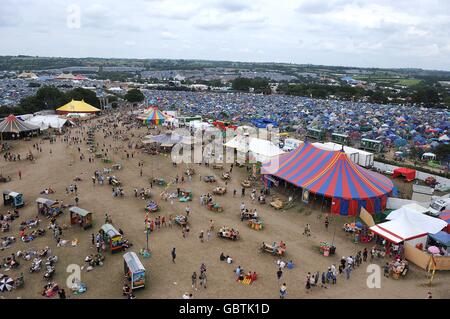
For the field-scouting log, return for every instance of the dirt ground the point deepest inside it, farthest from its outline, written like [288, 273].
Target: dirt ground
[165, 279]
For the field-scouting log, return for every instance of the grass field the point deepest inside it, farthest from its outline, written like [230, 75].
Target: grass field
[389, 81]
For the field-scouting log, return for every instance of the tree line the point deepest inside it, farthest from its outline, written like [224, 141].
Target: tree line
[49, 98]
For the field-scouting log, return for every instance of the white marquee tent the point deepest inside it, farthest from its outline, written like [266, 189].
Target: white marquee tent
[408, 225]
[47, 121]
[259, 150]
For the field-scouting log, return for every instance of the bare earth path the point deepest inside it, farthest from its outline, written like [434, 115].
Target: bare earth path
[168, 280]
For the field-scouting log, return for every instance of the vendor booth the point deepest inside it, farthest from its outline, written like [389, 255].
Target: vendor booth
[440, 240]
[79, 216]
[113, 237]
[13, 198]
[134, 270]
[408, 173]
[48, 207]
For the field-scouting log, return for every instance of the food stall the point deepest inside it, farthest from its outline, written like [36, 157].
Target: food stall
[327, 249]
[48, 207]
[113, 237]
[13, 198]
[361, 233]
[80, 217]
[134, 270]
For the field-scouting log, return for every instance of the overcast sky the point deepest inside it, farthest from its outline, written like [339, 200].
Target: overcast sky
[374, 33]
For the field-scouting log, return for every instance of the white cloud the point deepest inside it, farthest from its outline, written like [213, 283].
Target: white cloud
[381, 33]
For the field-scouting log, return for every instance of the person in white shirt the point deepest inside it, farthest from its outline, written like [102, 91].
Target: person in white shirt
[187, 296]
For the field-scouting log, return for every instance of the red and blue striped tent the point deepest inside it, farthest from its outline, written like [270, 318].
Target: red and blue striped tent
[332, 174]
[445, 216]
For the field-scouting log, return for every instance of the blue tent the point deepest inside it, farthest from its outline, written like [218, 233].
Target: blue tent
[442, 237]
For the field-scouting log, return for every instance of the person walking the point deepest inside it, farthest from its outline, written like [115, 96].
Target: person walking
[174, 255]
[62, 294]
[348, 271]
[327, 222]
[194, 280]
[324, 281]
[201, 236]
[316, 278]
[20, 174]
[283, 291]
[279, 274]
[365, 254]
[308, 281]
[202, 278]
[386, 269]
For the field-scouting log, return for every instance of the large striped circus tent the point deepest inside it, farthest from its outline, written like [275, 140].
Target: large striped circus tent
[333, 175]
[154, 116]
[12, 128]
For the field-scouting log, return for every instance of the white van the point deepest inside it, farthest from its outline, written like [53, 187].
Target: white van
[437, 206]
[291, 144]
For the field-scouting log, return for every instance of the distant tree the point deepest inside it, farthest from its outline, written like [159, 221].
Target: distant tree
[83, 94]
[377, 97]
[427, 95]
[112, 98]
[241, 84]
[442, 152]
[47, 97]
[134, 95]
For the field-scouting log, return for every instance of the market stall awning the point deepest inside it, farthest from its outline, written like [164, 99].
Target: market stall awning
[442, 237]
[409, 226]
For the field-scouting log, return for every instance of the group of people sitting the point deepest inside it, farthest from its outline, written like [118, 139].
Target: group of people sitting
[226, 258]
[283, 264]
[30, 223]
[276, 248]
[118, 192]
[249, 214]
[6, 219]
[229, 232]
[142, 193]
[47, 191]
[126, 291]
[6, 242]
[94, 260]
[10, 262]
[206, 199]
[98, 177]
[251, 276]
[31, 236]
